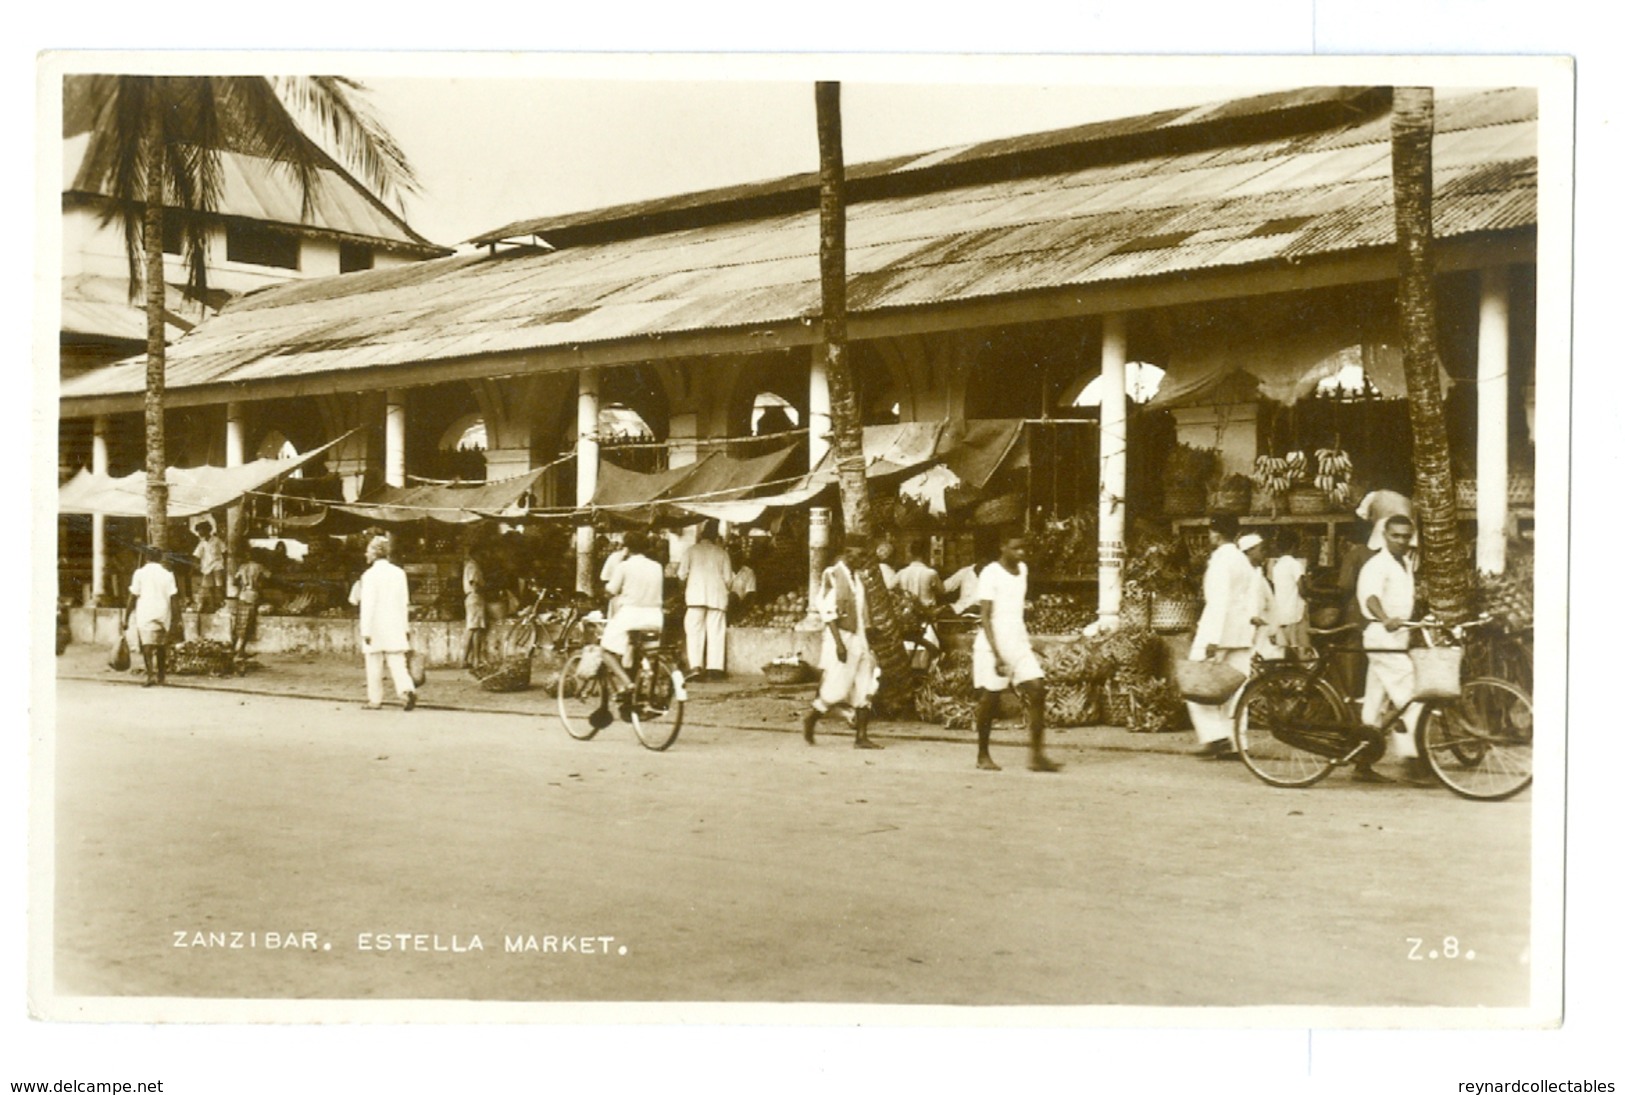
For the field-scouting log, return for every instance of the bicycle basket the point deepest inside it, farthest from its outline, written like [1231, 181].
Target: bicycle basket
[1207, 682]
[1438, 672]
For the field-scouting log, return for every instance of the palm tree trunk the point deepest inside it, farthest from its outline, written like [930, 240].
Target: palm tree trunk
[1445, 570]
[845, 419]
[152, 243]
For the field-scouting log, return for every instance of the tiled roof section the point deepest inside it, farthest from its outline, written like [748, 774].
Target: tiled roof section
[1322, 192]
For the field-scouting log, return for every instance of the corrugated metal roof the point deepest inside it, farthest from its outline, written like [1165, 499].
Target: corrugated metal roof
[1160, 217]
[259, 189]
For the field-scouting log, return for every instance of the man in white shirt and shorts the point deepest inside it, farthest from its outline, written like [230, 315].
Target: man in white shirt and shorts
[1003, 654]
[637, 589]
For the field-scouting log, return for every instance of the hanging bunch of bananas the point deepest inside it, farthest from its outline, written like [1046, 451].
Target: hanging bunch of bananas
[1334, 469]
[1276, 474]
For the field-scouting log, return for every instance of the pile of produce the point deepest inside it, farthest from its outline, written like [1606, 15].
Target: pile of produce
[511, 674]
[1509, 597]
[202, 658]
[943, 694]
[1058, 614]
[783, 612]
[1064, 546]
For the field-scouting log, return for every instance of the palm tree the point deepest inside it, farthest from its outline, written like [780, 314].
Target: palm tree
[845, 420]
[155, 145]
[1445, 567]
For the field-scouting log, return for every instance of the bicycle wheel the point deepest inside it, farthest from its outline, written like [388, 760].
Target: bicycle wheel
[657, 706]
[1481, 745]
[584, 705]
[1291, 727]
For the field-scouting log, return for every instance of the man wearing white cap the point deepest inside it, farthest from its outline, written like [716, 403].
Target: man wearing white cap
[382, 595]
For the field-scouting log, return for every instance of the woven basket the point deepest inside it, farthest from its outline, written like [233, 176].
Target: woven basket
[1207, 682]
[1438, 672]
[1003, 509]
[509, 675]
[1135, 613]
[1229, 501]
[793, 673]
[1183, 501]
[1306, 501]
[1119, 706]
[1168, 614]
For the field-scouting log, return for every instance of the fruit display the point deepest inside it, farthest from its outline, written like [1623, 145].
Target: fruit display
[1058, 614]
[1509, 597]
[943, 694]
[202, 658]
[1332, 475]
[1275, 475]
[783, 612]
[1064, 547]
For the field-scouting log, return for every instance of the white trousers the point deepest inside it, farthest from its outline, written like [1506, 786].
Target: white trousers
[850, 683]
[1389, 678]
[707, 630]
[376, 660]
[1217, 721]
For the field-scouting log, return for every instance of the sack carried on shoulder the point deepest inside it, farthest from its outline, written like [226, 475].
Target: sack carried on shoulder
[119, 659]
[417, 668]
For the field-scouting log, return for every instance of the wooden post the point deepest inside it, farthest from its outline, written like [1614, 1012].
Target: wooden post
[1113, 465]
[1493, 357]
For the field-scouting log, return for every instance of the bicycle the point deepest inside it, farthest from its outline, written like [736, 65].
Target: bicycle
[546, 624]
[1293, 726]
[654, 706]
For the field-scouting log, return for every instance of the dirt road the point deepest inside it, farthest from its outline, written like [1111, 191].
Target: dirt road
[451, 855]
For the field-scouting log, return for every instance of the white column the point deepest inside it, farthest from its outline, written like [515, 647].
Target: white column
[234, 435]
[1113, 465]
[395, 439]
[98, 522]
[1493, 356]
[819, 426]
[819, 423]
[234, 512]
[586, 470]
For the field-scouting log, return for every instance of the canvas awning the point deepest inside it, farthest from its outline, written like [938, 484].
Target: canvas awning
[449, 503]
[192, 491]
[972, 449]
[674, 494]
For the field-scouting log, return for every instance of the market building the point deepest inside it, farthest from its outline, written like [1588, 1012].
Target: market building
[1004, 296]
[262, 233]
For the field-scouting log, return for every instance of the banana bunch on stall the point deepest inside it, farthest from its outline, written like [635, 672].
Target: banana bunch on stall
[1333, 470]
[1275, 475]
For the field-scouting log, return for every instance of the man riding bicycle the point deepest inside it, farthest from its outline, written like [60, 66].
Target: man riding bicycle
[637, 590]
